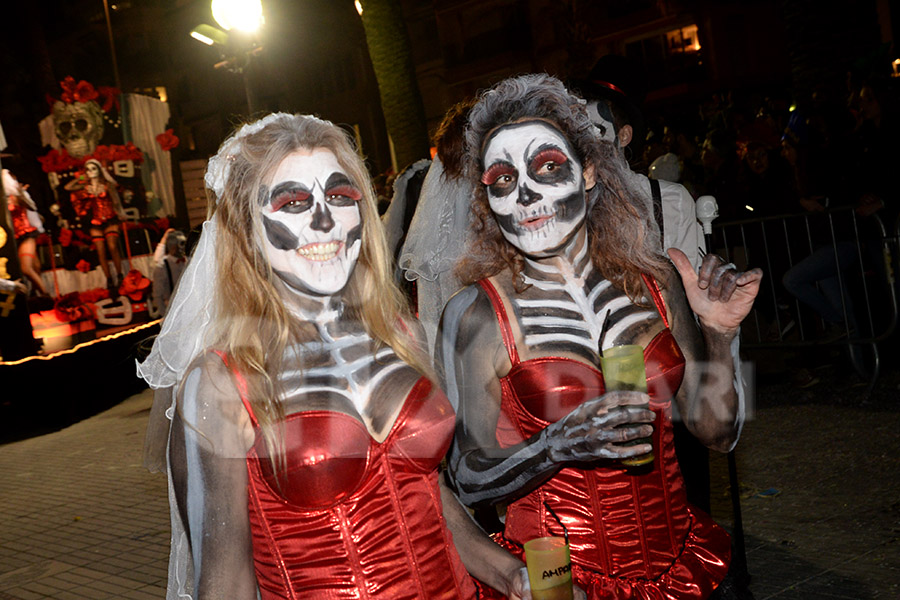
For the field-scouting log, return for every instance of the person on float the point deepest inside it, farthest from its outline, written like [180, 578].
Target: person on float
[306, 433]
[27, 226]
[95, 197]
[565, 251]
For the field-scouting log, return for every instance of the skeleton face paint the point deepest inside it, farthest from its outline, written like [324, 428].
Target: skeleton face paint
[602, 119]
[92, 170]
[312, 222]
[535, 186]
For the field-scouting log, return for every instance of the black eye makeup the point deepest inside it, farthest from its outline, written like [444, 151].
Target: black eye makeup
[340, 191]
[550, 165]
[291, 197]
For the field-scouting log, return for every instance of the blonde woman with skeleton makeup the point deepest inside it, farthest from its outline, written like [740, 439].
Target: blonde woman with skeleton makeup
[305, 432]
[562, 247]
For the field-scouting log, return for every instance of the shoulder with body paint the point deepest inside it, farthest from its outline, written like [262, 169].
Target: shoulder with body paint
[209, 403]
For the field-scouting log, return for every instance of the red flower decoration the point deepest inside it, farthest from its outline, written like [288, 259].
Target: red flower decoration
[103, 153]
[83, 266]
[65, 236]
[134, 285]
[69, 308]
[92, 296]
[58, 160]
[110, 97]
[132, 152]
[167, 140]
[161, 224]
[68, 86]
[84, 92]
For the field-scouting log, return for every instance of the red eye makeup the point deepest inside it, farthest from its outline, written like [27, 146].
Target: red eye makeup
[549, 155]
[497, 170]
[348, 191]
[284, 198]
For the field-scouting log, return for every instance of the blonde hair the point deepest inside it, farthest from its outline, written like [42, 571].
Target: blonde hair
[252, 326]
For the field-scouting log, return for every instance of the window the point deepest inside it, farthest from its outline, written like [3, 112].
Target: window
[670, 57]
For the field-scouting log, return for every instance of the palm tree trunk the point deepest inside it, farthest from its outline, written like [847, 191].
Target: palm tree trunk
[401, 102]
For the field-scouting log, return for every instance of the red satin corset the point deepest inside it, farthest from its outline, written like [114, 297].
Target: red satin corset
[21, 224]
[549, 388]
[632, 533]
[100, 207]
[354, 518]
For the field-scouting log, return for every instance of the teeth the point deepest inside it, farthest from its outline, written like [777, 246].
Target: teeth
[320, 252]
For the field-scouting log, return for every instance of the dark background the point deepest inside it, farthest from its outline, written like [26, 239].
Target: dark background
[315, 58]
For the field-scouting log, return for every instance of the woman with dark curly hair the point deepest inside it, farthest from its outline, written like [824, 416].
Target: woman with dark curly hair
[566, 263]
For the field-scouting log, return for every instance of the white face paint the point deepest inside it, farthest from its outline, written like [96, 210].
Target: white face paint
[604, 126]
[535, 186]
[312, 222]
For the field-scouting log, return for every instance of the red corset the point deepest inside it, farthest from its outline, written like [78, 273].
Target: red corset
[354, 518]
[21, 224]
[549, 388]
[632, 533]
[100, 207]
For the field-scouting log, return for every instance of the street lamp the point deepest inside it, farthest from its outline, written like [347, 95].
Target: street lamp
[243, 15]
[240, 20]
[209, 35]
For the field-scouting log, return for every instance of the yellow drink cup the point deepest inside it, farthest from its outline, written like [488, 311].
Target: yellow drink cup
[623, 370]
[549, 568]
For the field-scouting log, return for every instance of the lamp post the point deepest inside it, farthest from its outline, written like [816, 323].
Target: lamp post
[239, 21]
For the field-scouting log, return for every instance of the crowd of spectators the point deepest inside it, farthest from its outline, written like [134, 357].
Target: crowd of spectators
[763, 155]
[770, 155]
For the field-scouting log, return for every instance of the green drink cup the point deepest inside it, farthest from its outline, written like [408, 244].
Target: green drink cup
[623, 370]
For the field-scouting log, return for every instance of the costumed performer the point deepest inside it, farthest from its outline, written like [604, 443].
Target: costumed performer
[562, 243]
[306, 434]
[27, 226]
[95, 197]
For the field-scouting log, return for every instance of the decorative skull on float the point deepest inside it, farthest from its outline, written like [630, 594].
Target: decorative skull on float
[79, 126]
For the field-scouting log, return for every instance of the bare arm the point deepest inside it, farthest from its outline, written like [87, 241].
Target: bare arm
[471, 354]
[708, 400]
[209, 472]
[483, 559]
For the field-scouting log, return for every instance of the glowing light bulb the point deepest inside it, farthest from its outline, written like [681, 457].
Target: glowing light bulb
[243, 15]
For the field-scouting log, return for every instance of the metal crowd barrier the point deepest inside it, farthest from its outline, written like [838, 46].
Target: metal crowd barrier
[866, 253]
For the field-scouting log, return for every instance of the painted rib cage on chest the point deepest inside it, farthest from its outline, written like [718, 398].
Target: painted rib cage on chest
[343, 364]
[560, 314]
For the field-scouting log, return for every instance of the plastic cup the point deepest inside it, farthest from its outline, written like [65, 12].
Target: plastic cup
[549, 568]
[623, 370]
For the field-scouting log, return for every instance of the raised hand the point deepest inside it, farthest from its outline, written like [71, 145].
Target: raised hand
[719, 294]
[597, 428]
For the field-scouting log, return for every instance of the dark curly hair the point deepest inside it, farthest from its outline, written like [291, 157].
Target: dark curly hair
[624, 240]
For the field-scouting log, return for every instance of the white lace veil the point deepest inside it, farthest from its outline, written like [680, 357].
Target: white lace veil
[187, 323]
[183, 337]
[436, 240]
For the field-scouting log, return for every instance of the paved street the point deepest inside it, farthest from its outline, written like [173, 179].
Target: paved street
[819, 471]
[81, 517]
